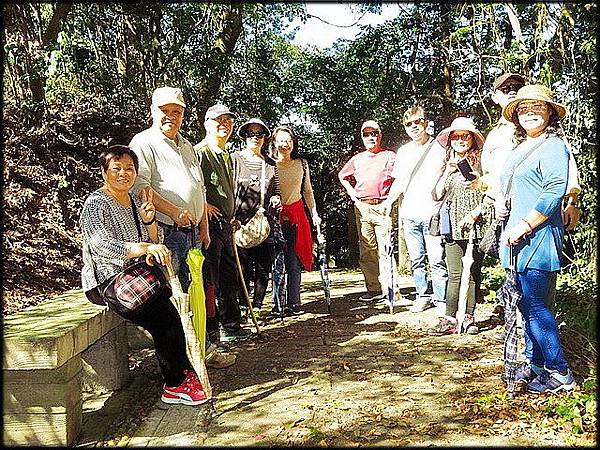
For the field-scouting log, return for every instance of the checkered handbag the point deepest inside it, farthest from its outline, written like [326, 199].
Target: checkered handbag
[139, 283]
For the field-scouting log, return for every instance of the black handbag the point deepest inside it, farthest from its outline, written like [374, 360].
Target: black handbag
[137, 284]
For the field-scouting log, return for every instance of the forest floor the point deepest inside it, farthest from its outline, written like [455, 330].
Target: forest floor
[359, 376]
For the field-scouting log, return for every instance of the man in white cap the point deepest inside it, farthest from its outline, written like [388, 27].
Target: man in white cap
[419, 164]
[221, 282]
[169, 167]
[367, 178]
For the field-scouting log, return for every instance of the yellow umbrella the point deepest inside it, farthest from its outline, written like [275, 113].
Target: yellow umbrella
[194, 350]
[194, 260]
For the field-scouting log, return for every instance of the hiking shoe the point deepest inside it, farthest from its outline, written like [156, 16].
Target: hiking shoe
[219, 359]
[294, 310]
[551, 382]
[190, 392]
[444, 326]
[371, 297]
[273, 314]
[468, 325]
[526, 373]
[421, 304]
[235, 333]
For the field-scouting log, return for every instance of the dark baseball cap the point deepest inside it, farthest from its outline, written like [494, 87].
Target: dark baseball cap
[507, 76]
[217, 110]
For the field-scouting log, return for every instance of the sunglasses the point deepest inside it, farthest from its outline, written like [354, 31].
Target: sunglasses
[463, 137]
[413, 122]
[510, 87]
[370, 134]
[251, 134]
[535, 108]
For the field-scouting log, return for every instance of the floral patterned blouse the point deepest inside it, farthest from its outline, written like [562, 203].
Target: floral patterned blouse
[461, 201]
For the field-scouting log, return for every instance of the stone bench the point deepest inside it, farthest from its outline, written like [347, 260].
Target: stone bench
[52, 352]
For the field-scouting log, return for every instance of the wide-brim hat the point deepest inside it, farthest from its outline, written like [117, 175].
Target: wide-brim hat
[257, 121]
[533, 92]
[461, 123]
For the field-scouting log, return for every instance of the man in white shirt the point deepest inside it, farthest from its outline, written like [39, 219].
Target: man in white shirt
[418, 166]
[169, 166]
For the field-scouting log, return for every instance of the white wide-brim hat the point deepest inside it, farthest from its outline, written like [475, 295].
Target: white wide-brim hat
[461, 123]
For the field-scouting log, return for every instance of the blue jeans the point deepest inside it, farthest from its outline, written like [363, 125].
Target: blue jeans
[550, 301]
[540, 325]
[180, 242]
[421, 245]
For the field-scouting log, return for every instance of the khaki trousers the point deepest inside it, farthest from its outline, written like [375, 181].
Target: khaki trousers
[373, 227]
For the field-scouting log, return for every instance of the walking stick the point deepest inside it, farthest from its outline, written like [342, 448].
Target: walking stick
[246, 295]
[467, 262]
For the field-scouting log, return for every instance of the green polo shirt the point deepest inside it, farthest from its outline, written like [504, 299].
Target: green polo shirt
[218, 177]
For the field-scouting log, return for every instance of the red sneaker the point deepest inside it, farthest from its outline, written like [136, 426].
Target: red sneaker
[189, 392]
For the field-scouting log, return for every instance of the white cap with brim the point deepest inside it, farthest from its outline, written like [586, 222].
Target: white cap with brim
[166, 95]
[461, 123]
[370, 124]
[217, 110]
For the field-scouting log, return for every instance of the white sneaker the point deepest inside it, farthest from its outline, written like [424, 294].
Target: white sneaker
[398, 301]
[421, 304]
[440, 309]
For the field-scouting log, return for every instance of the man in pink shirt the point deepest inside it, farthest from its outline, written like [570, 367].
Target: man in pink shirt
[367, 178]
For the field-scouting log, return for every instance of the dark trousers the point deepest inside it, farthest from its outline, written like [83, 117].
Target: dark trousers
[221, 282]
[455, 250]
[256, 263]
[162, 321]
[293, 266]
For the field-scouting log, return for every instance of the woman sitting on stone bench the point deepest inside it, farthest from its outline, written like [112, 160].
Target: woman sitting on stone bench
[112, 237]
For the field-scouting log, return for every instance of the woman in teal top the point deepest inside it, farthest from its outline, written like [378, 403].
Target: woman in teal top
[535, 180]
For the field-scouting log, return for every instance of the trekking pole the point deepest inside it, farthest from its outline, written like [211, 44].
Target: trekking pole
[246, 295]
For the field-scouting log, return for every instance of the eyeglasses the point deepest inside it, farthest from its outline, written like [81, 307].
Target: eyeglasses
[414, 122]
[463, 137]
[258, 134]
[510, 87]
[535, 108]
[370, 133]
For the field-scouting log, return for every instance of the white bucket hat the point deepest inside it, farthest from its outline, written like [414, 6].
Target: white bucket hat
[461, 123]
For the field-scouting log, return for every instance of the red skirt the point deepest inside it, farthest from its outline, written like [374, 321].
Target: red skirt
[296, 215]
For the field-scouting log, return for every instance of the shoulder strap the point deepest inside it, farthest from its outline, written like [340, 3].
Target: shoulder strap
[418, 165]
[303, 162]
[263, 168]
[135, 217]
[513, 168]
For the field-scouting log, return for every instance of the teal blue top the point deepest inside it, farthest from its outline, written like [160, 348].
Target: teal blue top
[539, 183]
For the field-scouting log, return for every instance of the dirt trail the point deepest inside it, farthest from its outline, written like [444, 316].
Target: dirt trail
[357, 377]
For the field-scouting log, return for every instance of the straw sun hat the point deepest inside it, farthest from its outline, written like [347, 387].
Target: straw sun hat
[533, 92]
[461, 123]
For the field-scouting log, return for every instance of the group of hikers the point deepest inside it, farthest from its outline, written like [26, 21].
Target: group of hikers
[161, 196]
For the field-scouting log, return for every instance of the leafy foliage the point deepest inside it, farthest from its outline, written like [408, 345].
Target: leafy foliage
[109, 57]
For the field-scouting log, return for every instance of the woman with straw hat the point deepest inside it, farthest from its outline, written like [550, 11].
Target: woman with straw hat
[535, 180]
[462, 141]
